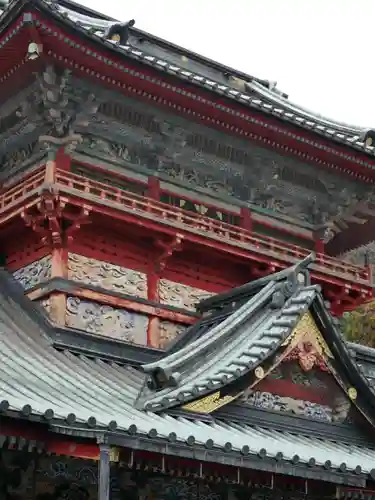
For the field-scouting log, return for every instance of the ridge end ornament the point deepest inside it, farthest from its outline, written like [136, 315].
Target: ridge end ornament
[352, 393]
[259, 372]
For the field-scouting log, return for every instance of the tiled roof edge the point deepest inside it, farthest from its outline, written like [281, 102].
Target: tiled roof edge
[172, 362]
[352, 136]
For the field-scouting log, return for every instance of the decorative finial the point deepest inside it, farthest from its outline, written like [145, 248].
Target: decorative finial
[119, 32]
[368, 137]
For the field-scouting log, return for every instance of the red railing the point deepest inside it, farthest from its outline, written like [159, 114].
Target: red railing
[21, 191]
[100, 193]
[211, 228]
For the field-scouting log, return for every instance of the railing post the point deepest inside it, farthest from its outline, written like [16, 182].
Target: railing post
[319, 241]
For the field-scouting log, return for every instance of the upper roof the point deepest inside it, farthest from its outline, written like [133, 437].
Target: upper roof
[250, 91]
[85, 396]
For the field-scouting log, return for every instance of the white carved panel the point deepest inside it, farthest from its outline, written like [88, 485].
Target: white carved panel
[182, 296]
[168, 331]
[35, 273]
[104, 320]
[103, 274]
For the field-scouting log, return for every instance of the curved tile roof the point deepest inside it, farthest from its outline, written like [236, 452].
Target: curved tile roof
[64, 389]
[229, 350]
[253, 92]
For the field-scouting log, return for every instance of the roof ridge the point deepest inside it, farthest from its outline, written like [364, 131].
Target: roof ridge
[252, 287]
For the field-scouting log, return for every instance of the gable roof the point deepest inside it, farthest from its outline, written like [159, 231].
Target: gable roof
[259, 94]
[263, 317]
[87, 397]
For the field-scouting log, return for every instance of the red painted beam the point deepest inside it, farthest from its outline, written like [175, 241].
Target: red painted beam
[131, 305]
[287, 388]
[53, 444]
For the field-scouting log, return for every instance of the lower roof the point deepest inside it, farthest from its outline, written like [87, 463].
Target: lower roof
[67, 390]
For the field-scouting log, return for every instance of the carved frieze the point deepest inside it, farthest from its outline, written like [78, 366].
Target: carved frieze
[35, 273]
[168, 331]
[268, 401]
[182, 296]
[206, 159]
[129, 131]
[20, 155]
[105, 320]
[103, 274]
[307, 356]
[361, 256]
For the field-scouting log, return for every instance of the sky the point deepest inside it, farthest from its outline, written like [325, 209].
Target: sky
[320, 52]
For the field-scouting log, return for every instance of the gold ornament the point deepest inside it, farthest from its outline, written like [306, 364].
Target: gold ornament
[352, 393]
[259, 372]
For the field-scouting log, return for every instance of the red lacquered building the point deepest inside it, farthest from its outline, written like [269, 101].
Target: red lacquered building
[178, 240]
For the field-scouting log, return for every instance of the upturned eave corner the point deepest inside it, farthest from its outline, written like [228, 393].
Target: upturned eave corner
[249, 91]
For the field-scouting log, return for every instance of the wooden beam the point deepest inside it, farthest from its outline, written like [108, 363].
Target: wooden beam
[118, 302]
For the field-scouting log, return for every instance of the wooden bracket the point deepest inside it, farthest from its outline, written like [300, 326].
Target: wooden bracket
[168, 249]
[54, 226]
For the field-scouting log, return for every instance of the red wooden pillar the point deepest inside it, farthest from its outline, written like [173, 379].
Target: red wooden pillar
[63, 160]
[319, 241]
[153, 331]
[58, 160]
[319, 245]
[153, 190]
[246, 219]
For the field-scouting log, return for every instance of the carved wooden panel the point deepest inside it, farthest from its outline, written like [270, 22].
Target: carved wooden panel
[106, 275]
[168, 332]
[35, 273]
[134, 134]
[268, 401]
[182, 296]
[105, 320]
[32, 477]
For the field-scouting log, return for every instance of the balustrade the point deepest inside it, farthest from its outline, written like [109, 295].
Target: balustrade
[95, 191]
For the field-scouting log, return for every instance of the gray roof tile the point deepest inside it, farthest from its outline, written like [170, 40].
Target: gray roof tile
[34, 373]
[234, 347]
[268, 97]
[273, 102]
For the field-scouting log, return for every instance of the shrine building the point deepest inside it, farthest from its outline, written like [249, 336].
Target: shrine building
[178, 244]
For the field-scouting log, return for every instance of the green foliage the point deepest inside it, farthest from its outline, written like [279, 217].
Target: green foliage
[359, 325]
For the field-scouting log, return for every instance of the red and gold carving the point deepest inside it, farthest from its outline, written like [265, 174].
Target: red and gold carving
[307, 356]
[307, 345]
